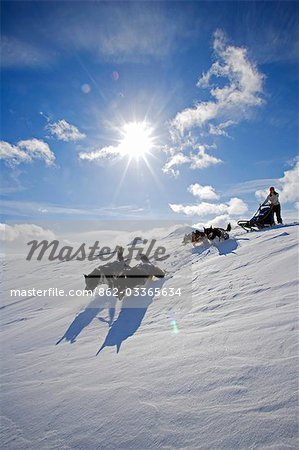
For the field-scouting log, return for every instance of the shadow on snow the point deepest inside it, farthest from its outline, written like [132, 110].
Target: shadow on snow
[130, 317]
[84, 318]
[223, 247]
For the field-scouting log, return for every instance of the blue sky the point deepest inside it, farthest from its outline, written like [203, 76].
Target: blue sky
[212, 85]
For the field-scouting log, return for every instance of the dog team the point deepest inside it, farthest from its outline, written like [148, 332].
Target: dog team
[198, 237]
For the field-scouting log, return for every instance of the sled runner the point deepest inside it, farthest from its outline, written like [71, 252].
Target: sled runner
[261, 219]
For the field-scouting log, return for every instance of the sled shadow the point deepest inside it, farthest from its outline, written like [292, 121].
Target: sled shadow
[277, 227]
[130, 318]
[281, 235]
[84, 318]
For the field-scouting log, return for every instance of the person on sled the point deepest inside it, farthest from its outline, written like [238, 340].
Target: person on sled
[273, 200]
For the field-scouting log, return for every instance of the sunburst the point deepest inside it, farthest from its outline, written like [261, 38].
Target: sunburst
[137, 140]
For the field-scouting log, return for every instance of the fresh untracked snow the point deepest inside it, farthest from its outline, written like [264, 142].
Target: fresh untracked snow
[213, 369]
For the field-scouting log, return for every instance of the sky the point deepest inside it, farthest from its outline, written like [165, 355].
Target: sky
[148, 110]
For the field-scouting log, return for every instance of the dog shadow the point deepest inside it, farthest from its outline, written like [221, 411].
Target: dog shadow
[130, 318]
[84, 318]
[199, 249]
[226, 247]
[223, 247]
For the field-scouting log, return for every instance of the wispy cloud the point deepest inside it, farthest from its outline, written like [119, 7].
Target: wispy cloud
[231, 102]
[103, 155]
[175, 161]
[108, 31]
[191, 153]
[274, 40]
[25, 152]
[31, 208]
[10, 182]
[64, 131]
[45, 210]
[126, 33]
[250, 186]
[219, 130]
[18, 54]
[7, 190]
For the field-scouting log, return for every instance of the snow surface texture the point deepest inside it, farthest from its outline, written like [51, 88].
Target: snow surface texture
[214, 370]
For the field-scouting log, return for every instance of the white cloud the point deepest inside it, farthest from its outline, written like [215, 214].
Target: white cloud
[202, 160]
[64, 131]
[197, 116]
[219, 221]
[261, 194]
[203, 192]
[25, 152]
[222, 221]
[12, 154]
[200, 209]
[288, 186]
[235, 206]
[230, 102]
[24, 232]
[37, 149]
[229, 105]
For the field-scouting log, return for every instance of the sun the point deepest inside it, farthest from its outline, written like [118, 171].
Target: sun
[137, 139]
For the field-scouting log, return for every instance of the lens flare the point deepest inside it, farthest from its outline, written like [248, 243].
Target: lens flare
[115, 75]
[86, 88]
[174, 325]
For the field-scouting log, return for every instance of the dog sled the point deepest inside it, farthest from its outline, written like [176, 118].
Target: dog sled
[263, 218]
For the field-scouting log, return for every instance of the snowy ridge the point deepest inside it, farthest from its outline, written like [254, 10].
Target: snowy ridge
[213, 369]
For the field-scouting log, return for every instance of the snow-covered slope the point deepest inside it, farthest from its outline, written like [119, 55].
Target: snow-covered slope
[213, 369]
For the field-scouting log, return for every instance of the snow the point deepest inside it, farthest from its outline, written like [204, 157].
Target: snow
[213, 369]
